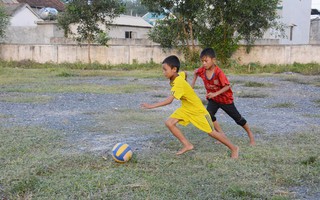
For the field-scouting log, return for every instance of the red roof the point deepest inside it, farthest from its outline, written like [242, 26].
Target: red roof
[57, 4]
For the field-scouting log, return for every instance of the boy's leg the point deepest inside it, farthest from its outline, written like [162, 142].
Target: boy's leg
[250, 135]
[212, 108]
[171, 124]
[223, 139]
[232, 111]
[218, 128]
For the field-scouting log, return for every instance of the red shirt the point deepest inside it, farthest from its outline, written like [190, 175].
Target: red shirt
[216, 83]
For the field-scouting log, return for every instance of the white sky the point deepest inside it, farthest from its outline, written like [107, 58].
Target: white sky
[316, 4]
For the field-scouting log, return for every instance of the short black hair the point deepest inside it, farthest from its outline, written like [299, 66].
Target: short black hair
[172, 61]
[208, 52]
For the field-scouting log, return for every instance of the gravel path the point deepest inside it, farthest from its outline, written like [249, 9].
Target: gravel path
[75, 114]
[72, 112]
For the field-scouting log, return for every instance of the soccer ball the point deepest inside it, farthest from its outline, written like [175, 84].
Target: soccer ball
[121, 152]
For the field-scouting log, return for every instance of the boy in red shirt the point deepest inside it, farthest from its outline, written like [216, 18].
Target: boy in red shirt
[219, 93]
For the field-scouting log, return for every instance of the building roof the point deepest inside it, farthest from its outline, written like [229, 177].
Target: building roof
[151, 18]
[9, 1]
[57, 4]
[127, 20]
[12, 8]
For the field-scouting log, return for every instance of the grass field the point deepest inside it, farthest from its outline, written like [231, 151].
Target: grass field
[37, 162]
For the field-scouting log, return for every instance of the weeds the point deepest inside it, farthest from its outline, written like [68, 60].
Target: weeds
[317, 102]
[257, 68]
[233, 68]
[254, 84]
[44, 168]
[251, 95]
[41, 163]
[282, 105]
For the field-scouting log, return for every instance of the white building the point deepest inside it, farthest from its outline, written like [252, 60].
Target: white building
[129, 27]
[21, 14]
[295, 16]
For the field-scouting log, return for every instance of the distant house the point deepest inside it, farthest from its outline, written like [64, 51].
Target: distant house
[39, 4]
[21, 14]
[295, 16]
[152, 18]
[129, 27]
[315, 13]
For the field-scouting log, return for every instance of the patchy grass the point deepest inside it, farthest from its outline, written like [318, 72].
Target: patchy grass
[59, 81]
[251, 95]
[2, 116]
[296, 80]
[299, 80]
[256, 84]
[267, 171]
[257, 68]
[40, 163]
[311, 115]
[282, 105]
[232, 67]
[317, 102]
[22, 98]
[316, 82]
[76, 87]
[160, 96]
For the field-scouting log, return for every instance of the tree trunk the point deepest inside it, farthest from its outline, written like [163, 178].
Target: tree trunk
[89, 51]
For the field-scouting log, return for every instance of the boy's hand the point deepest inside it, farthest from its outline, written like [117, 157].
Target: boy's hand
[195, 72]
[146, 105]
[210, 95]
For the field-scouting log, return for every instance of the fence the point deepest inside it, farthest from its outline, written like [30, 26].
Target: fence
[142, 53]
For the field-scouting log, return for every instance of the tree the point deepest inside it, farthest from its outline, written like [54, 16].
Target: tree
[178, 30]
[233, 20]
[92, 18]
[4, 21]
[213, 23]
[134, 7]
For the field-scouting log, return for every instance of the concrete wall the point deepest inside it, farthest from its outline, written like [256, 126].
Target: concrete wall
[279, 54]
[114, 54]
[117, 54]
[315, 31]
[40, 34]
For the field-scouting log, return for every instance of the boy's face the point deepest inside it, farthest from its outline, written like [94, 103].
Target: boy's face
[168, 72]
[208, 62]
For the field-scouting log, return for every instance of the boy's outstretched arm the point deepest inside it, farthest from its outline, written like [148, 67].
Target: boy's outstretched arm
[159, 104]
[214, 94]
[195, 76]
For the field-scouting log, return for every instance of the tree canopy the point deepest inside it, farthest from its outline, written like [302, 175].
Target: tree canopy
[135, 8]
[91, 18]
[212, 23]
[4, 21]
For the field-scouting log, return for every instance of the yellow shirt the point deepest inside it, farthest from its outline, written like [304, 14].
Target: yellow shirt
[192, 109]
[190, 101]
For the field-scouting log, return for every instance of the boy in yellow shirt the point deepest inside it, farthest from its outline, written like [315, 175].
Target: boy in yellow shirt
[191, 111]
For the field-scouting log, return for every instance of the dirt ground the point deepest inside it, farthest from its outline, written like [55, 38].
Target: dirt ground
[285, 103]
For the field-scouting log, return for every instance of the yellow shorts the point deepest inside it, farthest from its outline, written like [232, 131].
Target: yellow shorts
[202, 121]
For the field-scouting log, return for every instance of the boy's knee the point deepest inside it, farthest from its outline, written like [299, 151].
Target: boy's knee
[213, 118]
[169, 123]
[242, 121]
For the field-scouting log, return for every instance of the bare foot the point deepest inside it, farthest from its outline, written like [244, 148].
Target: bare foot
[252, 143]
[235, 153]
[185, 149]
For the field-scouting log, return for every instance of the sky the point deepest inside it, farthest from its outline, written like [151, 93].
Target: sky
[316, 4]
